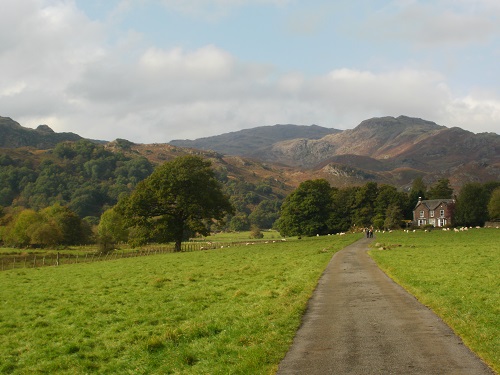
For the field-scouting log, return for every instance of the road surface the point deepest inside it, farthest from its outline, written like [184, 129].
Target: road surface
[359, 321]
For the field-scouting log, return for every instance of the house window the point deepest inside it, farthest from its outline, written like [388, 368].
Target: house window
[441, 213]
[422, 214]
[432, 213]
[432, 222]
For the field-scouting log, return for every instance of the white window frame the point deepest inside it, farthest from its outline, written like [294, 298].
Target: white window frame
[431, 213]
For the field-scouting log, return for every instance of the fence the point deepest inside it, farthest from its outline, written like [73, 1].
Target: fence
[34, 260]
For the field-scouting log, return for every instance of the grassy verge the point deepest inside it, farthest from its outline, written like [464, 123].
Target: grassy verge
[225, 311]
[456, 275]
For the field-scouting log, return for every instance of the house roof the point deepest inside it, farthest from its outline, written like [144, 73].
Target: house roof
[432, 204]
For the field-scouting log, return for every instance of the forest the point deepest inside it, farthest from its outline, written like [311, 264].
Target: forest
[58, 197]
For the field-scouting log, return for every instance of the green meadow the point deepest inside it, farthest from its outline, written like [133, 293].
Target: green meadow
[226, 311]
[457, 275]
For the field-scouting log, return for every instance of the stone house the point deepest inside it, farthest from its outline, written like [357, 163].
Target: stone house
[435, 212]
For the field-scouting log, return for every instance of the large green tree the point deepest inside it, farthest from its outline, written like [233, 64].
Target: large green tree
[364, 210]
[72, 228]
[112, 227]
[344, 201]
[440, 190]
[471, 206]
[180, 198]
[306, 211]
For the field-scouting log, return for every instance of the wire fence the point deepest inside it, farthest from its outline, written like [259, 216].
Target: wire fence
[27, 260]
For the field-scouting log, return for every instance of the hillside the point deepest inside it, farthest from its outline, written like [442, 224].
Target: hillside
[253, 142]
[386, 150]
[13, 135]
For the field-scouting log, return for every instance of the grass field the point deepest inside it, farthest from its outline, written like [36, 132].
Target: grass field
[225, 311]
[11, 258]
[457, 275]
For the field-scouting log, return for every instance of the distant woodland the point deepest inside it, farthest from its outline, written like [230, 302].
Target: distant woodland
[57, 197]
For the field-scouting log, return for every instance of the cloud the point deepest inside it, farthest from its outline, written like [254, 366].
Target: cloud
[44, 45]
[60, 68]
[485, 113]
[445, 22]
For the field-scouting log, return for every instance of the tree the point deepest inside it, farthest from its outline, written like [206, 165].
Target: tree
[178, 199]
[265, 214]
[440, 190]
[365, 204]
[112, 227]
[471, 206]
[393, 217]
[418, 191]
[46, 234]
[239, 222]
[494, 205]
[306, 211]
[69, 224]
[341, 218]
[18, 232]
[255, 232]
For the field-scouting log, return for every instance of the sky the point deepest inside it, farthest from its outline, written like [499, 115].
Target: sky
[151, 71]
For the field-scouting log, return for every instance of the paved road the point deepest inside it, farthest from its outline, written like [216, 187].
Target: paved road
[360, 322]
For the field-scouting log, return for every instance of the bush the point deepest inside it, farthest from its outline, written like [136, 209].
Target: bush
[256, 233]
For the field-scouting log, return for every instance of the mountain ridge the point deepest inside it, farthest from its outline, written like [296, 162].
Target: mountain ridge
[251, 142]
[14, 135]
[392, 150]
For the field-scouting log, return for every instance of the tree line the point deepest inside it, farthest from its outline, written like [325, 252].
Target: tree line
[82, 175]
[130, 201]
[315, 207]
[88, 180]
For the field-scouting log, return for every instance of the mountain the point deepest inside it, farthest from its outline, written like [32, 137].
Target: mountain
[386, 149]
[13, 135]
[378, 138]
[255, 141]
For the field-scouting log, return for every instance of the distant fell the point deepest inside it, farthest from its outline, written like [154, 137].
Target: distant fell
[252, 142]
[392, 150]
[390, 139]
[13, 135]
